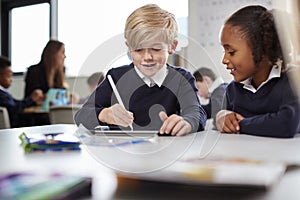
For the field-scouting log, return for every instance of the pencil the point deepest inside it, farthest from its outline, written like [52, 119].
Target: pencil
[112, 84]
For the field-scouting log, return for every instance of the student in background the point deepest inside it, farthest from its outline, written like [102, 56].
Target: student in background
[260, 100]
[93, 81]
[212, 88]
[49, 72]
[15, 107]
[156, 95]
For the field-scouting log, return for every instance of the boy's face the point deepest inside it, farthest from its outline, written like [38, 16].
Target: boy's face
[202, 89]
[6, 77]
[150, 56]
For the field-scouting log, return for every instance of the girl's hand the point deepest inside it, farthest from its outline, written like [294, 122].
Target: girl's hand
[228, 121]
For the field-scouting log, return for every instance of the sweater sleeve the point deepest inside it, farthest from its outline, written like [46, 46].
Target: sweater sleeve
[97, 101]
[282, 124]
[282, 121]
[192, 110]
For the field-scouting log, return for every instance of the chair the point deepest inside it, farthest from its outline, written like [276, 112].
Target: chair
[4, 118]
[63, 114]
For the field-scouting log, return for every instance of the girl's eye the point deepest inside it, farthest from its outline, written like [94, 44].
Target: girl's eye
[138, 50]
[231, 53]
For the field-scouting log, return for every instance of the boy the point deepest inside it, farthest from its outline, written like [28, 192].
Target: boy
[156, 96]
[14, 107]
[93, 81]
[212, 88]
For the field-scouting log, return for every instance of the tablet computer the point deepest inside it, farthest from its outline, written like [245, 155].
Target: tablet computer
[124, 132]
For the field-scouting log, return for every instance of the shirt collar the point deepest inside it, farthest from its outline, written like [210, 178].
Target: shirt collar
[158, 78]
[3, 89]
[275, 73]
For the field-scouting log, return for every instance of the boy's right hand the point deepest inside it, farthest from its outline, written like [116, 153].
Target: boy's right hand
[38, 96]
[116, 115]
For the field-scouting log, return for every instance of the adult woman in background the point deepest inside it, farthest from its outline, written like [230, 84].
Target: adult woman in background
[49, 72]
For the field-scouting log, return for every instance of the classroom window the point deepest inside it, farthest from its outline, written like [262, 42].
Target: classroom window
[29, 35]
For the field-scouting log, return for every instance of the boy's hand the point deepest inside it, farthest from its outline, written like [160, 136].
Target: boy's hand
[174, 125]
[117, 115]
[38, 96]
[228, 121]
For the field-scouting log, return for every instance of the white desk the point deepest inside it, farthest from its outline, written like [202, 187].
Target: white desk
[151, 157]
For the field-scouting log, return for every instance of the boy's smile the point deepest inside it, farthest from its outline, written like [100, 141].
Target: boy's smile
[150, 56]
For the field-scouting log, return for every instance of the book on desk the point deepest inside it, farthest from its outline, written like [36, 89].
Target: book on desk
[217, 172]
[44, 186]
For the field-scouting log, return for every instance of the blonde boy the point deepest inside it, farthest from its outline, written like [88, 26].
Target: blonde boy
[156, 95]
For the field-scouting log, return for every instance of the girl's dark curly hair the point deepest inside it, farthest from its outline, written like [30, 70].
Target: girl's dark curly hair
[257, 26]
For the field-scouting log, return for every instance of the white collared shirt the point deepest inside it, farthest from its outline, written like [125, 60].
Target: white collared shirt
[158, 78]
[275, 73]
[3, 89]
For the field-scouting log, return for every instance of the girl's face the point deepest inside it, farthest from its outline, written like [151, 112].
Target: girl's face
[60, 56]
[238, 54]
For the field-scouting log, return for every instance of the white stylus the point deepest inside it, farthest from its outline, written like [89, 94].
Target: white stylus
[112, 84]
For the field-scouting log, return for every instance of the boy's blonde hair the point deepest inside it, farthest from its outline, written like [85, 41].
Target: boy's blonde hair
[150, 22]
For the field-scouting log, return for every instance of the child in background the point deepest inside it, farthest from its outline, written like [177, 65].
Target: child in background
[93, 81]
[156, 95]
[212, 88]
[13, 106]
[260, 100]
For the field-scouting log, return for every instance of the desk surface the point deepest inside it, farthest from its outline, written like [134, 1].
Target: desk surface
[100, 162]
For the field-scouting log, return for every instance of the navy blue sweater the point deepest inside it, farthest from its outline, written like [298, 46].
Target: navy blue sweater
[177, 95]
[14, 107]
[272, 111]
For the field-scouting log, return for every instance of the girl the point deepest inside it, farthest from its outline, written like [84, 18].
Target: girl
[260, 100]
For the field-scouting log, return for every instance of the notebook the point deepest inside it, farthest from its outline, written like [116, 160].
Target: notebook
[217, 172]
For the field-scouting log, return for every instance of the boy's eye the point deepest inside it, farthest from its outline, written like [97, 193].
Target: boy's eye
[156, 49]
[138, 50]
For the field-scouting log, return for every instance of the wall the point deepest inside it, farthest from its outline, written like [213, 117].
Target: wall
[205, 20]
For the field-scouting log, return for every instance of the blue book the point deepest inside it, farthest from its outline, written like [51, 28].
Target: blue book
[54, 143]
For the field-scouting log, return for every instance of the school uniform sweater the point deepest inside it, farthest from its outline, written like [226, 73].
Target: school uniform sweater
[272, 111]
[177, 95]
[14, 107]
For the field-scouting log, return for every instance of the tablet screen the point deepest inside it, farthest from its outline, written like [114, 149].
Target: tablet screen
[124, 132]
